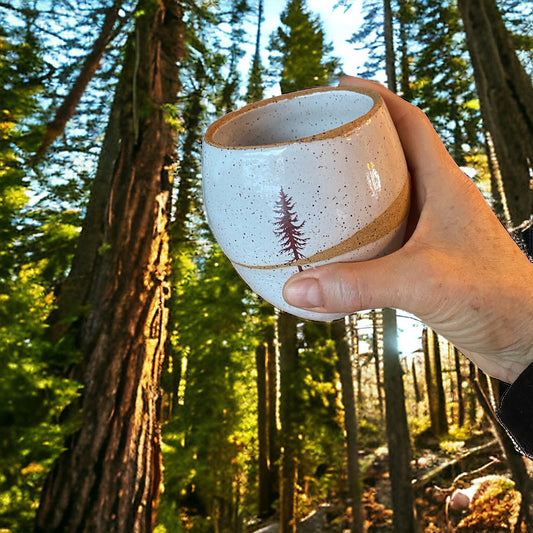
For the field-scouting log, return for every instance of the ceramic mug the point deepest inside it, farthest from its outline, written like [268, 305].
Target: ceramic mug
[301, 180]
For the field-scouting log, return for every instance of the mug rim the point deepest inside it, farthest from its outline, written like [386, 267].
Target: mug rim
[377, 103]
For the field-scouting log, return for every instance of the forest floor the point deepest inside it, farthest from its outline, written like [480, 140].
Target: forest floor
[462, 487]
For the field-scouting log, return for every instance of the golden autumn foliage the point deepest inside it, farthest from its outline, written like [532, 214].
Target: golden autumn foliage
[494, 507]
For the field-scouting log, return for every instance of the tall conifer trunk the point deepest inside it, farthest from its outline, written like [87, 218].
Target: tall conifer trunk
[108, 479]
[460, 395]
[267, 392]
[441, 395]
[399, 443]
[344, 367]
[288, 413]
[263, 474]
[375, 352]
[273, 380]
[434, 384]
[506, 99]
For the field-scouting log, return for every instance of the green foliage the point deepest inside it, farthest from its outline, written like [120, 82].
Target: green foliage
[209, 442]
[370, 434]
[32, 396]
[17, 97]
[299, 53]
[231, 86]
[35, 248]
[433, 63]
[255, 90]
[320, 412]
[444, 85]
[65, 33]
[255, 81]
[370, 39]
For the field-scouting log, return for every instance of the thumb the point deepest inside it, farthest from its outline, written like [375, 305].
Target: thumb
[351, 287]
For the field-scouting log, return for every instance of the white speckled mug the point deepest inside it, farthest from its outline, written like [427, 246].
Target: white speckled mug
[301, 180]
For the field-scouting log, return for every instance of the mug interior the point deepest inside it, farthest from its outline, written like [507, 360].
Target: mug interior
[290, 118]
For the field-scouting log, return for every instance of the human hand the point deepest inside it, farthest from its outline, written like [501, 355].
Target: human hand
[459, 270]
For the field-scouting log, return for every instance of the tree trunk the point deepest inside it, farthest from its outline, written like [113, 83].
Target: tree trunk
[344, 366]
[472, 396]
[404, 8]
[375, 351]
[72, 297]
[262, 430]
[441, 396]
[427, 346]
[416, 387]
[273, 410]
[460, 396]
[354, 347]
[499, 199]
[435, 391]
[390, 63]
[108, 479]
[506, 99]
[288, 409]
[398, 440]
[267, 392]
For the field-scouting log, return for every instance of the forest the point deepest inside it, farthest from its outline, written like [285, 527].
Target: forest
[143, 386]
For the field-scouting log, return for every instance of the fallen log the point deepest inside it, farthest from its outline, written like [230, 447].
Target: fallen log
[433, 473]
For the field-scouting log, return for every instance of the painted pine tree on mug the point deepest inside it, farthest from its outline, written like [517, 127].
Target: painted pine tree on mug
[289, 229]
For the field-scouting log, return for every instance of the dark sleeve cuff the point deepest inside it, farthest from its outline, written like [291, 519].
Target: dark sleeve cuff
[515, 412]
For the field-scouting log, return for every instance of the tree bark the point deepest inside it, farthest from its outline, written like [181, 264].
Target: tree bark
[472, 396]
[375, 351]
[390, 63]
[404, 8]
[399, 442]
[460, 395]
[499, 198]
[416, 387]
[506, 99]
[354, 348]
[263, 427]
[435, 391]
[72, 297]
[289, 429]
[344, 366]
[273, 410]
[441, 396]
[108, 479]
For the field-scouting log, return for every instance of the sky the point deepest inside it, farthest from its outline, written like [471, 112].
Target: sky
[338, 24]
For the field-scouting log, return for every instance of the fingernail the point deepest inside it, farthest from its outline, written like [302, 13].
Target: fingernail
[303, 293]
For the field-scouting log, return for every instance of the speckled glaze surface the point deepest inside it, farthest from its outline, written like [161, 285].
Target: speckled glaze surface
[301, 180]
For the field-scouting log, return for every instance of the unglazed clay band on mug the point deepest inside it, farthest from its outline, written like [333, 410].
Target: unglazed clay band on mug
[389, 220]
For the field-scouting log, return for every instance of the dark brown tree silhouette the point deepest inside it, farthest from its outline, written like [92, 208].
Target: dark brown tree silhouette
[289, 230]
